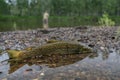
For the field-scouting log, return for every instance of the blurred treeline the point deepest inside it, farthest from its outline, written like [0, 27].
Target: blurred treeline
[27, 14]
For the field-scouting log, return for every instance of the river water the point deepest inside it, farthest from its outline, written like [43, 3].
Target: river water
[97, 66]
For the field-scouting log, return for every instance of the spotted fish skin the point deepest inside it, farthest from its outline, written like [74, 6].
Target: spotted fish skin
[52, 47]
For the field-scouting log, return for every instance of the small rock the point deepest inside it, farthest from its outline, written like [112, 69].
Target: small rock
[91, 45]
[77, 78]
[29, 69]
[1, 72]
[83, 73]
[113, 37]
[42, 74]
[110, 51]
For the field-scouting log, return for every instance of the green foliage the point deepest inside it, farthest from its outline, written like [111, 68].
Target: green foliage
[21, 23]
[116, 19]
[33, 22]
[3, 8]
[63, 13]
[22, 6]
[105, 20]
[71, 21]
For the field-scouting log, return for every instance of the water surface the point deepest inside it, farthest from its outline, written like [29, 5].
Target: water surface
[97, 66]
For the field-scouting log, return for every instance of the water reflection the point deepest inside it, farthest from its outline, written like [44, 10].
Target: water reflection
[99, 66]
[4, 56]
[104, 56]
[15, 67]
[20, 70]
[4, 65]
[96, 66]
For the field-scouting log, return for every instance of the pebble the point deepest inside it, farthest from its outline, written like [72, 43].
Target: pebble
[93, 37]
[42, 74]
[1, 72]
[83, 73]
[29, 70]
[78, 79]
[20, 40]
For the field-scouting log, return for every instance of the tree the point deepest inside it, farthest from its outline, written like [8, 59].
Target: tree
[4, 8]
[22, 6]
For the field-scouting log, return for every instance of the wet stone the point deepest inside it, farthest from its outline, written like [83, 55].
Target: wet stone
[83, 73]
[77, 79]
[1, 72]
[91, 45]
[113, 37]
[29, 69]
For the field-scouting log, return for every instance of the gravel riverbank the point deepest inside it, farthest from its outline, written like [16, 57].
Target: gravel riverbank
[93, 37]
[101, 66]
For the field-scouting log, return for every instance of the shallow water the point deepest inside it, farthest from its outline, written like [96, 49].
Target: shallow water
[101, 66]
